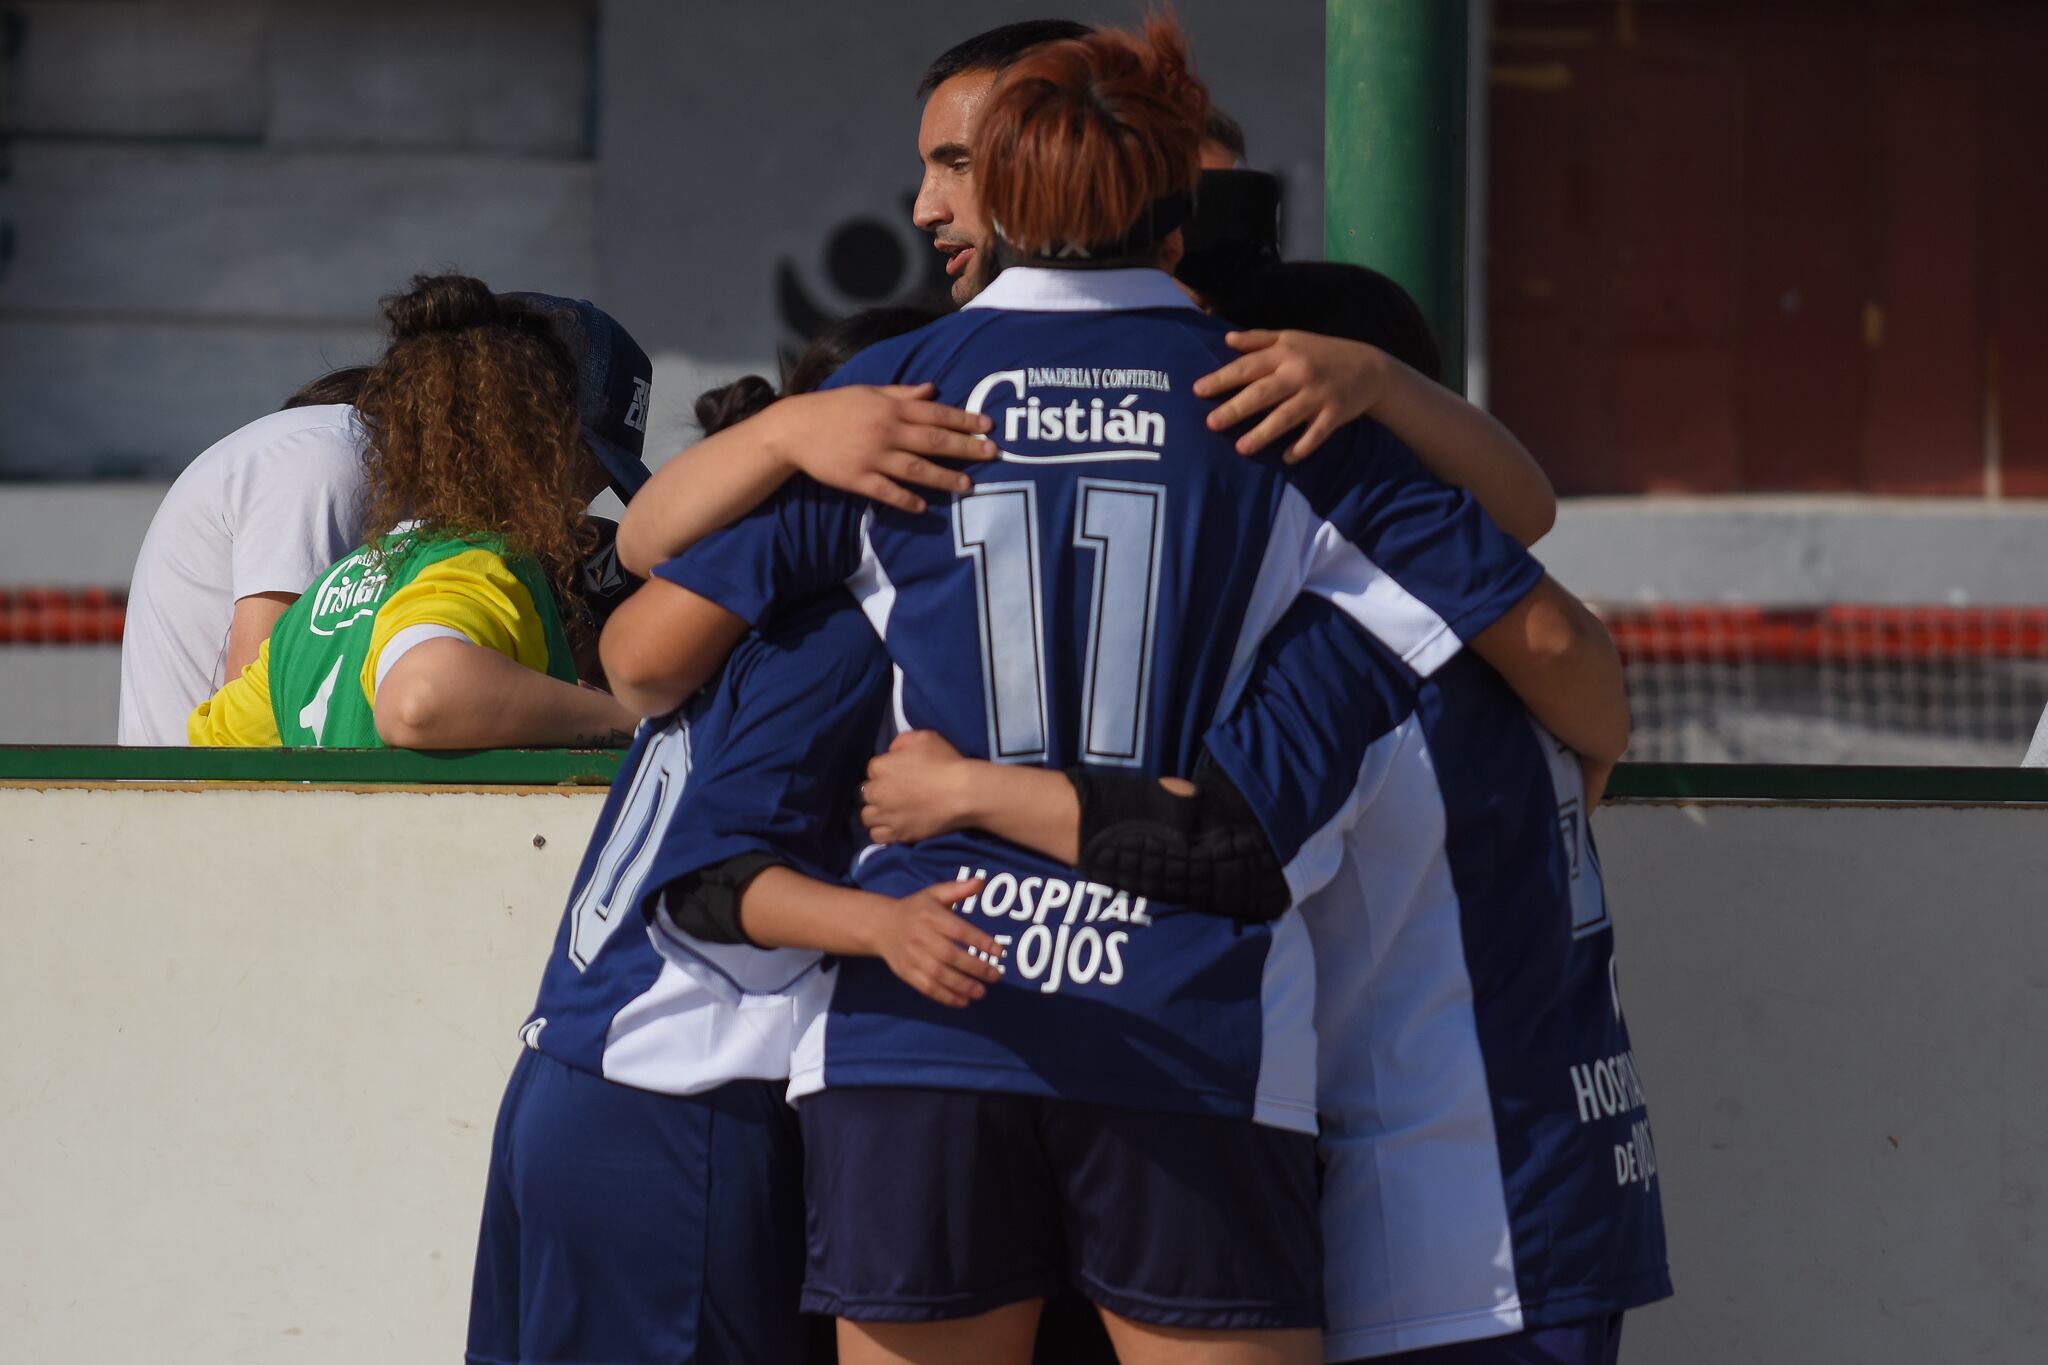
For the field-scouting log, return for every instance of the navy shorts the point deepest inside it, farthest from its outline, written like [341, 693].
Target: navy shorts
[925, 1205]
[620, 1224]
[1595, 1341]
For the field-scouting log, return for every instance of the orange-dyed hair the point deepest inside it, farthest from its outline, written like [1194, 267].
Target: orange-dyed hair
[1078, 138]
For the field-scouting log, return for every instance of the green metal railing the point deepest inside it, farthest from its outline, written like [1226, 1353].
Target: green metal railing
[393, 767]
[595, 767]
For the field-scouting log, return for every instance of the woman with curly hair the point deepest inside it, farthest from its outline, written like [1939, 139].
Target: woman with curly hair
[492, 420]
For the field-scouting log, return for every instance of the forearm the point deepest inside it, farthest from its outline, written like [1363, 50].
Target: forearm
[712, 484]
[255, 617]
[781, 908]
[1035, 807]
[1464, 446]
[1563, 664]
[451, 694]
[1196, 844]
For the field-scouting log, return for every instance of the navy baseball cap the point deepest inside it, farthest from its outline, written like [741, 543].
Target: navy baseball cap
[614, 383]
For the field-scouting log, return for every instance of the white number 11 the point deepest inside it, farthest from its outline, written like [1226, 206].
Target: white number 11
[997, 527]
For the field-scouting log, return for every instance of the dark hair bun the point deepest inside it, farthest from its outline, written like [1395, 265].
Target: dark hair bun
[441, 303]
[719, 408]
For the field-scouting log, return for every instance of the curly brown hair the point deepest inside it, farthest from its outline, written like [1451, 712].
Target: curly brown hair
[474, 429]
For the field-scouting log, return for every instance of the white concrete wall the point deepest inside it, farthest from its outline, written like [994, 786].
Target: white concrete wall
[1772, 550]
[255, 1046]
[256, 1040]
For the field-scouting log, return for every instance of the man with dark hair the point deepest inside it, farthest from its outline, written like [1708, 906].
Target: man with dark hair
[990, 52]
[952, 90]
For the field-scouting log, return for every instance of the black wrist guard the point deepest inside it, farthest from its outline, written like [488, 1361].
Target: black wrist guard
[1205, 851]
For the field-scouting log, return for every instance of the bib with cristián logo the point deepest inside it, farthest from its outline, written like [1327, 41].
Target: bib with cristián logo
[319, 646]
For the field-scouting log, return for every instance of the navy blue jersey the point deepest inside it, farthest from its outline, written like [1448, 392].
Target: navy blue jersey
[767, 759]
[1487, 1155]
[1095, 599]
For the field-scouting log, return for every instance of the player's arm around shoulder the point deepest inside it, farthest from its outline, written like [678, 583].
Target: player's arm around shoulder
[875, 441]
[1315, 385]
[663, 643]
[1561, 661]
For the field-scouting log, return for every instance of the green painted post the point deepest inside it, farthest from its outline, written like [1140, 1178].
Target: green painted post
[1394, 145]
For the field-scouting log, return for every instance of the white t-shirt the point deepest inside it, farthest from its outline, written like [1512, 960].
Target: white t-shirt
[262, 510]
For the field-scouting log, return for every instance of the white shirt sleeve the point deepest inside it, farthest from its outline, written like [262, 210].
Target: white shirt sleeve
[294, 508]
[2037, 752]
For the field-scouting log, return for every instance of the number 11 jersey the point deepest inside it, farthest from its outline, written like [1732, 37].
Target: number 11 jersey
[1096, 599]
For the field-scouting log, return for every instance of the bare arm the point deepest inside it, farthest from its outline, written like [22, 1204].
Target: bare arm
[1562, 662]
[859, 439]
[451, 694]
[663, 643]
[255, 616]
[923, 786]
[1198, 846]
[1466, 447]
[921, 938]
[1316, 384]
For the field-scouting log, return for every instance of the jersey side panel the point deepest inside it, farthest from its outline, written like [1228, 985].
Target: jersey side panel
[1576, 1153]
[769, 761]
[1417, 1240]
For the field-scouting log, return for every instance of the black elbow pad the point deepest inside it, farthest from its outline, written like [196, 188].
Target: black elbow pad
[706, 903]
[1205, 851]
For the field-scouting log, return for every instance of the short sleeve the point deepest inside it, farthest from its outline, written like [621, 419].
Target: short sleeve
[778, 756]
[1307, 740]
[294, 509]
[805, 539]
[240, 714]
[475, 594]
[1414, 561]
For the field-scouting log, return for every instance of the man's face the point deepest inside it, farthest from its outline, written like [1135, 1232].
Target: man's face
[946, 206]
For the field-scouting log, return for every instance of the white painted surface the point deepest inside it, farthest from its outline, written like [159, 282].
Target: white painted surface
[255, 1043]
[1842, 1020]
[1800, 551]
[248, 1085]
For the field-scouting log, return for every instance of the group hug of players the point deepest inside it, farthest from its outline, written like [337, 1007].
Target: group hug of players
[1105, 867]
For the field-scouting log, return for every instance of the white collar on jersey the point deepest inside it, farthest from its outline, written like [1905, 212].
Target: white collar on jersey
[1036, 289]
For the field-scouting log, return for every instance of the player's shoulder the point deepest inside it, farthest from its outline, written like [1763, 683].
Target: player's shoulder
[911, 357]
[818, 645]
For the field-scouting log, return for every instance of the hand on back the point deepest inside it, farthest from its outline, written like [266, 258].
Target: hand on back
[877, 440]
[936, 952]
[1301, 381]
